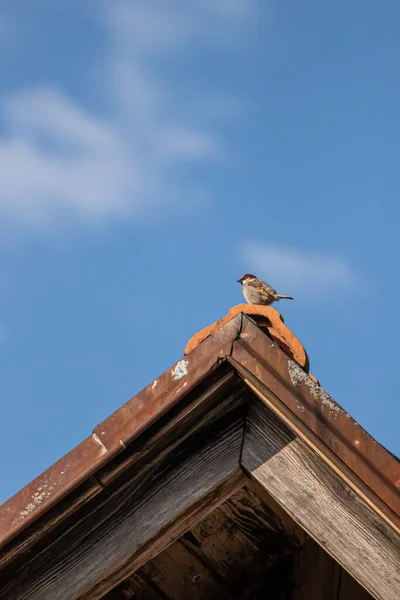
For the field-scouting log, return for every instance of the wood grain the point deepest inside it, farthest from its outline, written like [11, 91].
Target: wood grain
[240, 540]
[135, 588]
[181, 575]
[321, 503]
[212, 397]
[137, 521]
[315, 574]
[287, 523]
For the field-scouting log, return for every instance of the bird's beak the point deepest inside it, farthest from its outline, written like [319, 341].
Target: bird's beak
[239, 281]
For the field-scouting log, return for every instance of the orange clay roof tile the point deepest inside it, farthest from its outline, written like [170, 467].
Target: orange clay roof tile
[265, 317]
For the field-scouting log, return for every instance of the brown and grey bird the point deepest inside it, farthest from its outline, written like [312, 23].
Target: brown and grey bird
[258, 292]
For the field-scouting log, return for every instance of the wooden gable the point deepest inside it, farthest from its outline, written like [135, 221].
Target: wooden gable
[233, 475]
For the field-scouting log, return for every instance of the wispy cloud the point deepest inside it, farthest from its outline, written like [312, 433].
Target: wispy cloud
[59, 158]
[304, 273]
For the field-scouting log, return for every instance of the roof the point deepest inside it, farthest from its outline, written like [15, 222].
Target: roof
[250, 352]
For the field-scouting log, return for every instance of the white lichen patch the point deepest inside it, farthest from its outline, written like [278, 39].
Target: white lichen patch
[180, 369]
[298, 376]
[155, 382]
[38, 497]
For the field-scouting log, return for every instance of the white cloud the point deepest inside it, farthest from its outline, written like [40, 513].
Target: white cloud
[150, 28]
[58, 158]
[306, 274]
[45, 111]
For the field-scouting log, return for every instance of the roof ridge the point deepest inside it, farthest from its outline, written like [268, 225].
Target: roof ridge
[266, 317]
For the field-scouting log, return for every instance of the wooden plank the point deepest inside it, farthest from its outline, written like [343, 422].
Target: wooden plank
[317, 576]
[367, 464]
[212, 397]
[181, 575]
[312, 440]
[240, 540]
[350, 589]
[317, 498]
[219, 543]
[136, 521]
[287, 523]
[118, 430]
[135, 588]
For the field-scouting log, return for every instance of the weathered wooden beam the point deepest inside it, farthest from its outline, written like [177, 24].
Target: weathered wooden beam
[210, 398]
[20, 514]
[274, 583]
[135, 588]
[321, 502]
[181, 575]
[369, 468]
[317, 576]
[239, 540]
[136, 521]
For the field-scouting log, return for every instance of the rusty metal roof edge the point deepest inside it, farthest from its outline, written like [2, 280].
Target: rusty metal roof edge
[132, 418]
[335, 427]
[115, 432]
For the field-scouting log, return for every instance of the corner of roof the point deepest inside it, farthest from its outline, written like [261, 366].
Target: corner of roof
[112, 435]
[266, 317]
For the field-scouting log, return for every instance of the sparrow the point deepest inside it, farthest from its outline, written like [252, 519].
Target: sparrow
[258, 292]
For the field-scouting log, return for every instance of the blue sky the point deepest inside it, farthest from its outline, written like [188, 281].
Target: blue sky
[150, 154]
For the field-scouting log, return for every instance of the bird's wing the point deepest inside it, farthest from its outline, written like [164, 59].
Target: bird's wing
[263, 288]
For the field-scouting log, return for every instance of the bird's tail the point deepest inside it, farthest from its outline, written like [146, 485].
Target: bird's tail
[279, 297]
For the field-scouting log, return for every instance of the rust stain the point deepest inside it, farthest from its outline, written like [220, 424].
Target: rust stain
[237, 337]
[376, 468]
[138, 413]
[114, 434]
[48, 488]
